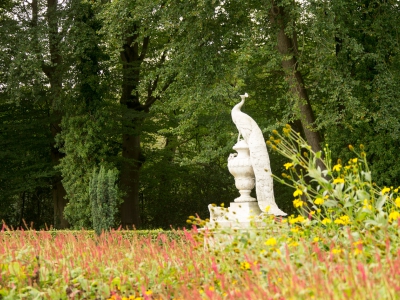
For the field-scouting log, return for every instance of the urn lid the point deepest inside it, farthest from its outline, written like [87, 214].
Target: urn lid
[241, 145]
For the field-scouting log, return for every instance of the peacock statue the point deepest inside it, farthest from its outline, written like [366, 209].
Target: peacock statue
[259, 158]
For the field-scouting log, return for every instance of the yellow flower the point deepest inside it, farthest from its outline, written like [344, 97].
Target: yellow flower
[293, 244]
[296, 229]
[297, 192]
[278, 251]
[298, 203]
[149, 293]
[394, 215]
[271, 242]
[343, 220]
[326, 221]
[319, 201]
[338, 180]
[336, 251]
[288, 165]
[385, 190]
[316, 239]
[357, 243]
[397, 201]
[366, 205]
[211, 288]
[299, 218]
[244, 265]
[354, 160]
[357, 251]
[337, 167]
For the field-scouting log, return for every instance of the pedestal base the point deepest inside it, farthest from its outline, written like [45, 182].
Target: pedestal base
[238, 215]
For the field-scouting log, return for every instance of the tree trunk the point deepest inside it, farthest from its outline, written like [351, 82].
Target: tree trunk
[131, 152]
[53, 73]
[130, 213]
[287, 47]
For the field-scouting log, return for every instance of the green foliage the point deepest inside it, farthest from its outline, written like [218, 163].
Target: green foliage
[335, 196]
[104, 199]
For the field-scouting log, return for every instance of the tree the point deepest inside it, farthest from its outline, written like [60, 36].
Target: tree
[104, 199]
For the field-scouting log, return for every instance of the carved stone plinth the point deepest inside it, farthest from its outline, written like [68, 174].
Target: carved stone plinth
[237, 215]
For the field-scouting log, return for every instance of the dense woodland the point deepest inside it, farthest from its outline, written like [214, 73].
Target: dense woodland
[143, 90]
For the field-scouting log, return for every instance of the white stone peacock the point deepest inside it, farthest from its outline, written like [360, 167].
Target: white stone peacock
[259, 157]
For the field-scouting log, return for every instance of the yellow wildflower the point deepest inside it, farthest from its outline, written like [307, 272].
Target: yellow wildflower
[336, 251]
[357, 251]
[296, 229]
[338, 180]
[394, 215]
[385, 190]
[354, 160]
[298, 203]
[351, 148]
[319, 201]
[300, 218]
[397, 201]
[293, 244]
[326, 221]
[149, 293]
[297, 192]
[271, 242]
[343, 220]
[211, 288]
[357, 243]
[337, 167]
[244, 265]
[366, 205]
[288, 165]
[316, 239]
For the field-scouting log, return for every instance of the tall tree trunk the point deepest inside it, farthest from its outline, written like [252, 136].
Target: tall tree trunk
[53, 72]
[287, 47]
[131, 152]
[130, 208]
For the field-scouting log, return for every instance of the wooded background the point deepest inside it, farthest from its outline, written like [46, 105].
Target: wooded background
[144, 89]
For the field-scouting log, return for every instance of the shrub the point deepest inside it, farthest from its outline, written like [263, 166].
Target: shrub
[104, 198]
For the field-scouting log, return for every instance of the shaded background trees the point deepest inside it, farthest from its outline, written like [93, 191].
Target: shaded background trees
[146, 87]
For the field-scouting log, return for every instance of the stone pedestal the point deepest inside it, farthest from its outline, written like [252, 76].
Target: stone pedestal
[237, 215]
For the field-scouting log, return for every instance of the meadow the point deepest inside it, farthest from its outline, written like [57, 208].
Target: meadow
[342, 244]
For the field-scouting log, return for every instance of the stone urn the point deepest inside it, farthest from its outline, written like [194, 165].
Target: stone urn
[239, 165]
